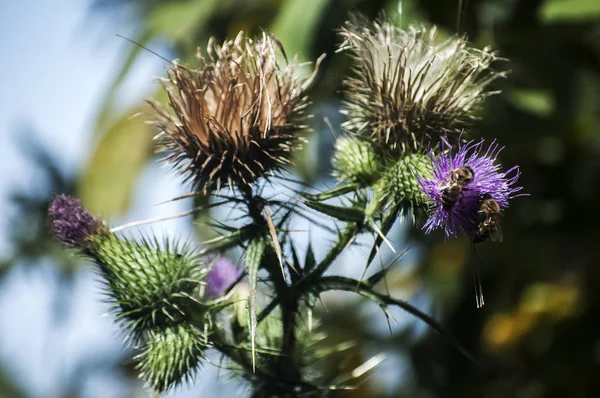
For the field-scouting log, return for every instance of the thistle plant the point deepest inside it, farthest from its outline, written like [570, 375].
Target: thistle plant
[237, 115]
[234, 120]
[406, 90]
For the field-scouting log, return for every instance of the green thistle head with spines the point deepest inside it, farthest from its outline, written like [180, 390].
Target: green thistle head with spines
[399, 188]
[171, 356]
[149, 284]
[356, 161]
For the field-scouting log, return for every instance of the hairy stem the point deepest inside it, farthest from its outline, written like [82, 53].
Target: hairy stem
[344, 240]
[287, 296]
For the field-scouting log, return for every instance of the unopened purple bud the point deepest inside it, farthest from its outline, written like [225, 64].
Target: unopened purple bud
[223, 274]
[71, 222]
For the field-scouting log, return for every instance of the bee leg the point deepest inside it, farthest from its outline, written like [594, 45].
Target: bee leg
[477, 277]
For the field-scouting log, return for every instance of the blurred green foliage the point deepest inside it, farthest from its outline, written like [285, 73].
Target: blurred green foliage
[539, 333]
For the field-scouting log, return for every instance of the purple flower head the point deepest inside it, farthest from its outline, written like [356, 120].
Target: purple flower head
[71, 222]
[487, 179]
[221, 276]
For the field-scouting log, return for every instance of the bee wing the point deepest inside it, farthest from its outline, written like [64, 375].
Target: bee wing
[497, 235]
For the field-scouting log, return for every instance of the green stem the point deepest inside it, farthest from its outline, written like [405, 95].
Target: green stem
[365, 290]
[287, 297]
[344, 240]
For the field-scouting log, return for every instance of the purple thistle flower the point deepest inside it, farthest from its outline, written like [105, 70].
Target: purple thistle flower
[487, 180]
[71, 222]
[223, 274]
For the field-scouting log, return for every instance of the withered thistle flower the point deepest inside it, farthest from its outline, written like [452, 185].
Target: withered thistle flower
[237, 115]
[407, 91]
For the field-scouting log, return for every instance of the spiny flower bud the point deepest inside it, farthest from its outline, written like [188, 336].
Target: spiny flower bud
[72, 223]
[399, 187]
[407, 91]
[150, 285]
[356, 161]
[237, 116]
[171, 356]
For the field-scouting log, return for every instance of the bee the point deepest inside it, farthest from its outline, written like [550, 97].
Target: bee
[459, 179]
[488, 228]
[489, 221]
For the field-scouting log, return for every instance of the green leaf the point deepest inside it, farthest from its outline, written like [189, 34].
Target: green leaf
[227, 241]
[109, 178]
[569, 11]
[538, 102]
[342, 213]
[332, 193]
[181, 20]
[309, 262]
[254, 254]
[297, 23]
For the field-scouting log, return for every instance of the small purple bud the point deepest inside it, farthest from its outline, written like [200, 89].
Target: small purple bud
[222, 275]
[71, 222]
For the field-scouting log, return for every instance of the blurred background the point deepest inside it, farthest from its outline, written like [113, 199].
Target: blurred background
[70, 85]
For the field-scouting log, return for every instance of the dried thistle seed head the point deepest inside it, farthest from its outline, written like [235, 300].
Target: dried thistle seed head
[237, 116]
[405, 90]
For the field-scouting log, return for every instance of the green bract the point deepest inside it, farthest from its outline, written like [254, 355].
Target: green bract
[170, 356]
[149, 286]
[399, 188]
[356, 161]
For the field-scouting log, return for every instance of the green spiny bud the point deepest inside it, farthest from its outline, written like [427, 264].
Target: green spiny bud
[356, 161]
[150, 286]
[399, 187]
[171, 356]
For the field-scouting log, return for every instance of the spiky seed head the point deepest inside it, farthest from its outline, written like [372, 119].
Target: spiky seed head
[149, 284]
[399, 187]
[237, 116]
[72, 224]
[171, 356]
[356, 161]
[406, 90]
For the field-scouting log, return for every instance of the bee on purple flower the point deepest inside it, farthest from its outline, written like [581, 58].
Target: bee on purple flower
[467, 191]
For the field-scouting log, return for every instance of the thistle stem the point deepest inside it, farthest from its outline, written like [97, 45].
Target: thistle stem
[286, 295]
[345, 239]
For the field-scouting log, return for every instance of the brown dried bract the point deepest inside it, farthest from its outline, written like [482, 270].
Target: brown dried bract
[236, 117]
